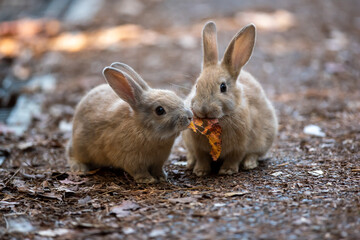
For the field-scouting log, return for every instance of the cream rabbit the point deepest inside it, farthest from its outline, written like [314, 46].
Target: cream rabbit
[126, 124]
[233, 96]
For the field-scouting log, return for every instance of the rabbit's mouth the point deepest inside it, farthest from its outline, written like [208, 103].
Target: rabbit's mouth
[184, 121]
[184, 124]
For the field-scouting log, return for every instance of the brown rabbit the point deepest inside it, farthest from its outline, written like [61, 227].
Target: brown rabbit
[233, 96]
[126, 124]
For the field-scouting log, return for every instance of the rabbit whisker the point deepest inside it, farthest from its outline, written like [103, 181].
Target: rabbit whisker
[176, 85]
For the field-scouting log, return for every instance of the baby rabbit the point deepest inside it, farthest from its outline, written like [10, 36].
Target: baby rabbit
[226, 92]
[126, 124]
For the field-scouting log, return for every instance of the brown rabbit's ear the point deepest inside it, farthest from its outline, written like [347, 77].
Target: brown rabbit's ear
[210, 49]
[123, 85]
[239, 50]
[132, 73]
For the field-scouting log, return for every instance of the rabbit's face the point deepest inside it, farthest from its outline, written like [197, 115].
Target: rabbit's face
[165, 113]
[161, 112]
[216, 93]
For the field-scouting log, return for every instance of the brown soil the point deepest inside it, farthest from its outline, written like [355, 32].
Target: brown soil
[307, 188]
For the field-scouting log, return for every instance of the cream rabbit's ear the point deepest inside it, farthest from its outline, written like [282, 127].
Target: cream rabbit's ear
[239, 51]
[132, 73]
[210, 48]
[124, 86]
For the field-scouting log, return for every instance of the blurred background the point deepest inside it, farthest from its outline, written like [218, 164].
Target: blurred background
[52, 52]
[307, 58]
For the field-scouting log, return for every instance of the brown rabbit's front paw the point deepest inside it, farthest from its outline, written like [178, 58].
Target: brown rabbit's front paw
[228, 171]
[162, 177]
[159, 173]
[146, 180]
[250, 162]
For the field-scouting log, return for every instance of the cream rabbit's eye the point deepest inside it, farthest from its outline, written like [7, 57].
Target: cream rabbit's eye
[223, 87]
[160, 110]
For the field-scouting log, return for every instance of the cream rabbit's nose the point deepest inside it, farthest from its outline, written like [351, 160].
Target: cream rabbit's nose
[189, 114]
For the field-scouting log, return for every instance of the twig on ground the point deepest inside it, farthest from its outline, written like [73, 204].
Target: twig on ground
[17, 171]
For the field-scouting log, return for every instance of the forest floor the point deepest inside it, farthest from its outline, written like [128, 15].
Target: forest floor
[307, 188]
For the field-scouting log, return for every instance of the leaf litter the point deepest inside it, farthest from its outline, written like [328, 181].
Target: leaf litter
[320, 87]
[124, 209]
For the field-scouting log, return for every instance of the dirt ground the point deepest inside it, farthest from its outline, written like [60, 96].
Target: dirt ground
[307, 57]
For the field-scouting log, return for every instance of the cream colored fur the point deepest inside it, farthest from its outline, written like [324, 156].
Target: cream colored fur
[111, 132]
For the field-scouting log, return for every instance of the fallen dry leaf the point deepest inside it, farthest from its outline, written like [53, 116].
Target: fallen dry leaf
[219, 204]
[123, 209]
[52, 196]
[128, 230]
[314, 131]
[53, 233]
[211, 129]
[275, 174]
[119, 212]
[8, 203]
[69, 182]
[45, 186]
[180, 163]
[157, 233]
[233, 194]
[316, 172]
[182, 200]
[205, 214]
[25, 145]
[84, 200]
[128, 205]
[18, 223]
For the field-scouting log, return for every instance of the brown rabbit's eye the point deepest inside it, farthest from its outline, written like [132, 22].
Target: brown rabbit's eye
[160, 110]
[223, 87]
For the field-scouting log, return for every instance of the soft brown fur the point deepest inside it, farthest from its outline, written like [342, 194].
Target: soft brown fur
[116, 125]
[247, 118]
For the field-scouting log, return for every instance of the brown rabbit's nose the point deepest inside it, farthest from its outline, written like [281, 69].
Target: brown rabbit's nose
[205, 111]
[198, 113]
[200, 110]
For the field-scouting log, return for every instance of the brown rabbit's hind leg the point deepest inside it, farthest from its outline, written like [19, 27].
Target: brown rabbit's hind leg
[143, 178]
[162, 178]
[158, 172]
[250, 161]
[141, 175]
[76, 166]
